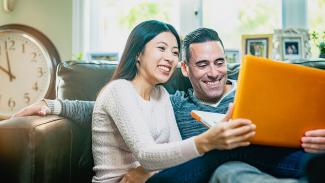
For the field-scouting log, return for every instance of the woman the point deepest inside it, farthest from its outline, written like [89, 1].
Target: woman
[133, 120]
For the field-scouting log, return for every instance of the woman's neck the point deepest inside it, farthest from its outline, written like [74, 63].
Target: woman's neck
[143, 87]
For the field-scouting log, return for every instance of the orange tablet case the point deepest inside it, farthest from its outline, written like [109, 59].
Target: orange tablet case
[283, 100]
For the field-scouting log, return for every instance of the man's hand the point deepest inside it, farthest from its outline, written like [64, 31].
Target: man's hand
[39, 108]
[314, 141]
[136, 175]
[226, 135]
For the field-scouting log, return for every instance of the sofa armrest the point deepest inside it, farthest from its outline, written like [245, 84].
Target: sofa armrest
[39, 149]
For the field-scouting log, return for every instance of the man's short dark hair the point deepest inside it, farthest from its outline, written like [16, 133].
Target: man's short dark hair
[199, 35]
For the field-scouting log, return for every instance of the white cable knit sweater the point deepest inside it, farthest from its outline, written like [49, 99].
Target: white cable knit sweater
[128, 131]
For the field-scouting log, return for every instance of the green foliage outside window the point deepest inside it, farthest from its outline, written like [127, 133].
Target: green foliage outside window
[254, 18]
[319, 41]
[144, 11]
[316, 22]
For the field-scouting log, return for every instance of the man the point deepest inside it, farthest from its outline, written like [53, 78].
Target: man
[205, 65]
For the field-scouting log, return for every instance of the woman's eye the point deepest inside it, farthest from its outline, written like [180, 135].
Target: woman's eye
[161, 48]
[176, 53]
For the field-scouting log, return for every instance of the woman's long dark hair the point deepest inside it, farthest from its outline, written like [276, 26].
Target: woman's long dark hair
[138, 38]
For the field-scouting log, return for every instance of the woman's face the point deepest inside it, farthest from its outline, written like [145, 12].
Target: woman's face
[159, 58]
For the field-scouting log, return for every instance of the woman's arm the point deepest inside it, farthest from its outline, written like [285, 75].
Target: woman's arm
[137, 175]
[226, 135]
[121, 103]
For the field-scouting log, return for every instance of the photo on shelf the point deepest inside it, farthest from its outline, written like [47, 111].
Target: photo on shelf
[257, 45]
[291, 44]
[108, 56]
[292, 48]
[232, 55]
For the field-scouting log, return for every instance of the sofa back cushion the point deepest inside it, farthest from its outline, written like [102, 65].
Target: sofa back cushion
[82, 80]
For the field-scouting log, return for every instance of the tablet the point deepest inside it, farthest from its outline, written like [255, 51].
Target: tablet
[283, 100]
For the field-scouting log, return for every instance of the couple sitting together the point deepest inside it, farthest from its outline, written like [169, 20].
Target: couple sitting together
[140, 133]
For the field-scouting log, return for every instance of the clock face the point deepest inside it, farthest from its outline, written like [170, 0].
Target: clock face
[25, 71]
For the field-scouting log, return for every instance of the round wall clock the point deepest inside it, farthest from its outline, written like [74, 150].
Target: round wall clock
[28, 61]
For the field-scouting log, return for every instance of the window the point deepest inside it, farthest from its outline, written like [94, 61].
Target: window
[316, 20]
[233, 18]
[113, 20]
[107, 23]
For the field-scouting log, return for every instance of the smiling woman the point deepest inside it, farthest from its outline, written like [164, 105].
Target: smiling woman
[132, 104]
[158, 60]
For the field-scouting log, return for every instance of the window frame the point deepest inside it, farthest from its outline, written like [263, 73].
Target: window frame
[85, 37]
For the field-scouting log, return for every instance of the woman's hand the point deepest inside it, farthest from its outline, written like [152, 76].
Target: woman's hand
[226, 135]
[136, 175]
[314, 141]
[39, 108]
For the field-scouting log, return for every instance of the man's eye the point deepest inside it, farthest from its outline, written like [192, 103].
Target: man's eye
[219, 62]
[201, 65]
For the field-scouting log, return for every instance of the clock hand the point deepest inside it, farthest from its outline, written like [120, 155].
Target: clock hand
[4, 70]
[11, 77]
[9, 74]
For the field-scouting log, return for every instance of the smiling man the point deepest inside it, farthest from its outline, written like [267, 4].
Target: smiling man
[208, 79]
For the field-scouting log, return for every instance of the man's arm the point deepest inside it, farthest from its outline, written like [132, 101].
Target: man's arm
[78, 111]
[39, 108]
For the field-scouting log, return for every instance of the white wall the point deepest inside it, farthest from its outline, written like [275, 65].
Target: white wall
[51, 17]
[190, 15]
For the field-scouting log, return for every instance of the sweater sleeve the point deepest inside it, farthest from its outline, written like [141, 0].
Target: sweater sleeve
[78, 111]
[123, 109]
[175, 100]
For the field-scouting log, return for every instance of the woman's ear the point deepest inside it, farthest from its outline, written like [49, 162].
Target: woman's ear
[184, 68]
[138, 58]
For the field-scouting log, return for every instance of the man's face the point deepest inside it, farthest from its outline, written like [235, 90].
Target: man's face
[207, 70]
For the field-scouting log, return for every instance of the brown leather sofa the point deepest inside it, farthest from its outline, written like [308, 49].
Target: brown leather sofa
[55, 149]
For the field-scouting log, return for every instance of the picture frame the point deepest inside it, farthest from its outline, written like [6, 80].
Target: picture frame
[292, 48]
[232, 55]
[257, 45]
[291, 44]
[108, 56]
